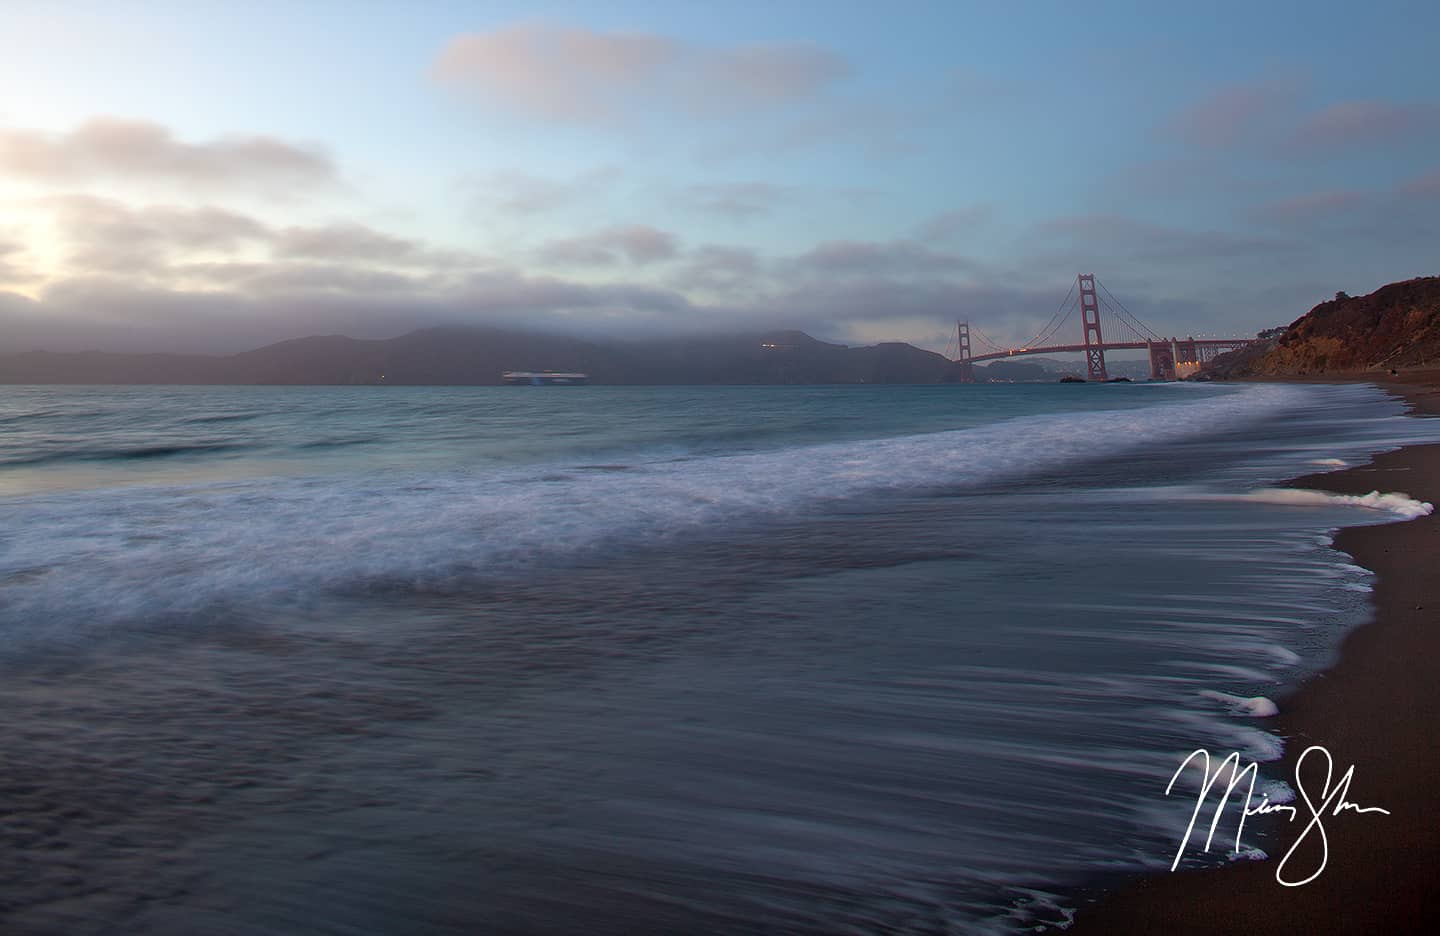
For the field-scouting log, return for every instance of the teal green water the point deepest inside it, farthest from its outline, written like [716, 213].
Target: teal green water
[97, 437]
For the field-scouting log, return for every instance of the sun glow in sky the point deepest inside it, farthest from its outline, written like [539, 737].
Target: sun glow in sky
[215, 176]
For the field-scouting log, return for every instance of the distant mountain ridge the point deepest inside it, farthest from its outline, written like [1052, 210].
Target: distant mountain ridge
[1397, 325]
[479, 355]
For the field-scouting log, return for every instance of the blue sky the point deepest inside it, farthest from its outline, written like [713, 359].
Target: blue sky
[209, 176]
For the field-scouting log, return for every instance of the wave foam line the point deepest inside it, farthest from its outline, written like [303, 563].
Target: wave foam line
[135, 553]
[1401, 505]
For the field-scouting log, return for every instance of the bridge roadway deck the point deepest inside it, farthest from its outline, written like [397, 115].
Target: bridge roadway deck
[1110, 346]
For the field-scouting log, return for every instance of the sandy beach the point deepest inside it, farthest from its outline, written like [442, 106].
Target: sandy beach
[1376, 708]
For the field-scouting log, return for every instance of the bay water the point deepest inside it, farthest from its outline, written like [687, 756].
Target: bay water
[643, 659]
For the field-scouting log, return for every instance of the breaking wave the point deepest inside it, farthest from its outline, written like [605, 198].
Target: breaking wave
[131, 553]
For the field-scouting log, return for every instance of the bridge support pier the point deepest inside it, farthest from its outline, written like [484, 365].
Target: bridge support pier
[1162, 360]
[1187, 357]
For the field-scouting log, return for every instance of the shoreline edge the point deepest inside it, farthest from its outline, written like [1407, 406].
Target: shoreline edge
[1376, 707]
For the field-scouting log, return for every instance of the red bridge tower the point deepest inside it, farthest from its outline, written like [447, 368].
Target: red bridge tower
[1090, 312]
[967, 370]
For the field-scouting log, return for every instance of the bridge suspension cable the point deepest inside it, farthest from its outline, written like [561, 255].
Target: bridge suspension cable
[985, 339]
[1061, 316]
[1128, 318]
[1127, 324]
[1115, 322]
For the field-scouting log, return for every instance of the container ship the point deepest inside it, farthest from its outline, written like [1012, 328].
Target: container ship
[543, 378]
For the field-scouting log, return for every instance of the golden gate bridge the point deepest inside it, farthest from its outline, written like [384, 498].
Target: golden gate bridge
[1100, 312]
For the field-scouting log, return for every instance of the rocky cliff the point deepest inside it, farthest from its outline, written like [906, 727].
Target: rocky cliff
[1396, 326]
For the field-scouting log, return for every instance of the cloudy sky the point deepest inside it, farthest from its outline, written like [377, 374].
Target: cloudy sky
[217, 175]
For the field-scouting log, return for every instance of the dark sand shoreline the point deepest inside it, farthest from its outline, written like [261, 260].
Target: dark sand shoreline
[1377, 708]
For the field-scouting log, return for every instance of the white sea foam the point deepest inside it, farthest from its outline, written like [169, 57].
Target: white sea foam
[1282, 655]
[1261, 746]
[1252, 743]
[137, 552]
[1253, 707]
[1401, 506]
[1330, 462]
[1277, 791]
[1248, 853]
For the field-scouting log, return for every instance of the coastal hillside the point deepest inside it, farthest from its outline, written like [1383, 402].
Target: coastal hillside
[478, 356]
[1396, 326]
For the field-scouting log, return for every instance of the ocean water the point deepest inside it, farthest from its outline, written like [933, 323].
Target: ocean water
[643, 660]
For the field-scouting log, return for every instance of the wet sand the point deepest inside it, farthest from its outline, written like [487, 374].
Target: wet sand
[1377, 708]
